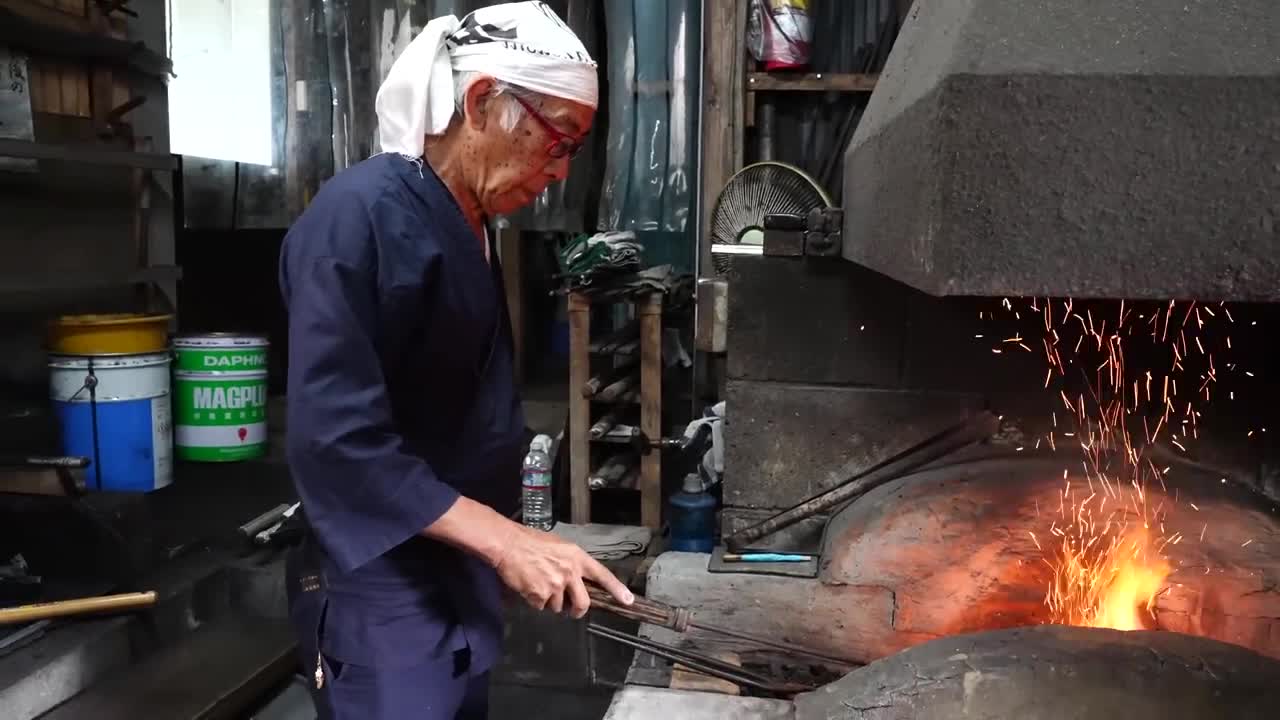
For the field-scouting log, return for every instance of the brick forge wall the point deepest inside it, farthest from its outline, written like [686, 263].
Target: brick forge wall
[829, 362]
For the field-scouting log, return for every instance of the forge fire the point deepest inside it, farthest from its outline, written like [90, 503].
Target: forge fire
[1123, 382]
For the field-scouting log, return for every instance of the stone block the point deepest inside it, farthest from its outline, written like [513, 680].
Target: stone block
[813, 321]
[786, 443]
[1055, 673]
[975, 171]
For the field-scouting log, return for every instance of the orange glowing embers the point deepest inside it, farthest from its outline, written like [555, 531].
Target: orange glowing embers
[1104, 543]
[1109, 583]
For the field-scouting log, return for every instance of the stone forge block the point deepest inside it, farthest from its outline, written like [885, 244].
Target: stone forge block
[787, 443]
[814, 321]
[1054, 673]
[1040, 147]
[964, 548]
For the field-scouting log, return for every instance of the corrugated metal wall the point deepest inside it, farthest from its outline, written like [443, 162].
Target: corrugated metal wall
[811, 130]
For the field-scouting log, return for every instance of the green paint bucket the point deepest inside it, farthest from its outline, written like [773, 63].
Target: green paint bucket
[220, 397]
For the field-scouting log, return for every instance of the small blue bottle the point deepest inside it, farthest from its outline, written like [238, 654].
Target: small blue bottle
[693, 517]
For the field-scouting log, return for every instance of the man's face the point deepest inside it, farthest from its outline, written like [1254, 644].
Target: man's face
[516, 166]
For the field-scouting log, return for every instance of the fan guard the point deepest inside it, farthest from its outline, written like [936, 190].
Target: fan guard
[757, 190]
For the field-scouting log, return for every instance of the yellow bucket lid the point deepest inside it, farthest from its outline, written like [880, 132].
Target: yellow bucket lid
[109, 319]
[109, 333]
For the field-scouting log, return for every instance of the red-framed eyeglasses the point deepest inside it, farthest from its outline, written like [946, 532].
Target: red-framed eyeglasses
[562, 144]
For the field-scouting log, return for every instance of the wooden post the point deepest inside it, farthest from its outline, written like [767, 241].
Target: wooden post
[511, 254]
[579, 408]
[103, 91]
[723, 87]
[650, 312]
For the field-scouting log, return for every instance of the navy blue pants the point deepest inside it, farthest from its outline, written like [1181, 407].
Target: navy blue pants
[436, 690]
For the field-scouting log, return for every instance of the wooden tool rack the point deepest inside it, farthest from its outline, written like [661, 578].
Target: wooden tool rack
[585, 405]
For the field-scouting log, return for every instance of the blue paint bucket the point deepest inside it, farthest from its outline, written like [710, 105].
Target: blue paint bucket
[115, 410]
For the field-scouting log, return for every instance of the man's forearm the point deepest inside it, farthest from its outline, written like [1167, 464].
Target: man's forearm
[474, 528]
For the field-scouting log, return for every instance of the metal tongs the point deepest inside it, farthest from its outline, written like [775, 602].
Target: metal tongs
[681, 620]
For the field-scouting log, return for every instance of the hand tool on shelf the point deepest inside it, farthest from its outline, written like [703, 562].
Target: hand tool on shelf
[607, 378]
[765, 557]
[615, 391]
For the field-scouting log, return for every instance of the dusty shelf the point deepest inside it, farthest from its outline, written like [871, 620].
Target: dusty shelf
[811, 82]
[86, 154]
[90, 281]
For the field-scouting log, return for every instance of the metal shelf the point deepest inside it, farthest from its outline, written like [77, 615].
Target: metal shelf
[86, 154]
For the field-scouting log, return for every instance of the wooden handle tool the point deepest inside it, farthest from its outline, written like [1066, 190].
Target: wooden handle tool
[78, 606]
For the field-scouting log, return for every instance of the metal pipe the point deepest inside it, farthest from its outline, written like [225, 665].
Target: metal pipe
[264, 521]
[973, 430]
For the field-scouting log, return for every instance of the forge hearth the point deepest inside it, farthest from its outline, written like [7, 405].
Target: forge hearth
[951, 551]
[1055, 673]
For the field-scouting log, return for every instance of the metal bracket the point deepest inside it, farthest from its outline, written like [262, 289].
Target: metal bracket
[818, 234]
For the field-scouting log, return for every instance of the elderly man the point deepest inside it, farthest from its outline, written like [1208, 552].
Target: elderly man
[405, 431]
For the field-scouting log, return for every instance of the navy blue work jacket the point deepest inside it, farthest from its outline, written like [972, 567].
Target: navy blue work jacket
[401, 397]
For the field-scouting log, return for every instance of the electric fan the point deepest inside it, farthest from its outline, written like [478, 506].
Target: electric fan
[757, 190]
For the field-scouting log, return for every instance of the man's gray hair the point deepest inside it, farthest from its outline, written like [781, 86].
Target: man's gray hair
[512, 111]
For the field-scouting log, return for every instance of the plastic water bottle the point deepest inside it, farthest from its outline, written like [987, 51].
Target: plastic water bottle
[693, 517]
[536, 479]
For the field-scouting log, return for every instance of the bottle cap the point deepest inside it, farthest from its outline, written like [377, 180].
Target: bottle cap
[692, 483]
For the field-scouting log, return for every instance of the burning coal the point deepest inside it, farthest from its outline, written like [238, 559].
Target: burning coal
[1105, 541]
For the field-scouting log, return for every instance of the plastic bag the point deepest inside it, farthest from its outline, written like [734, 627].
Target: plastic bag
[780, 33]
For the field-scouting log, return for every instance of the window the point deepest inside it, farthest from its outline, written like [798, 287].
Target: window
[220, 99]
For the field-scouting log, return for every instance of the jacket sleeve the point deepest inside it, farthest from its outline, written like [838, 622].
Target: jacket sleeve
[362, 493]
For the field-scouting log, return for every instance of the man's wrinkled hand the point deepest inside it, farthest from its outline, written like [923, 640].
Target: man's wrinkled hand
[550, 573]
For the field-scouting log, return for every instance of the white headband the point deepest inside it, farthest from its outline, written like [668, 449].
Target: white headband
[522, 43]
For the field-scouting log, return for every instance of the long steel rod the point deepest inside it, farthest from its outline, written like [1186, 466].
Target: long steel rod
[776, 644]
[681, 620]
[972, 430]
[697, 662]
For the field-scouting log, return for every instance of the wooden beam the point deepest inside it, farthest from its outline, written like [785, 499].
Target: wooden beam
[723, 89]
[579, 409]
[511, 254]
[812, 82]
[48, 16]
[86, 155]
[650, 312]
[103, 87]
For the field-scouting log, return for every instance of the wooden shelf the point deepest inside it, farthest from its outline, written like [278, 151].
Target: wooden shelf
[812, 82]
[41, 30]
[91, 281]
[86, 154]
[648, 310]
